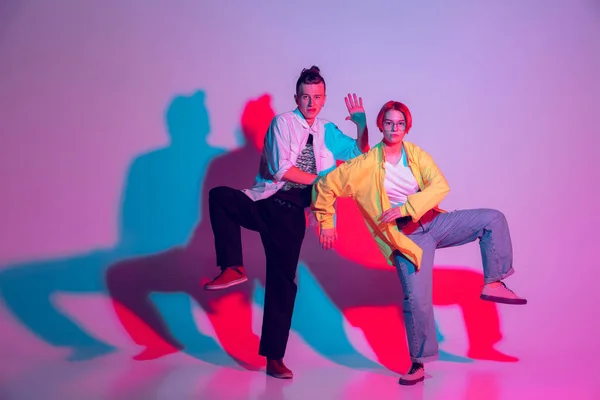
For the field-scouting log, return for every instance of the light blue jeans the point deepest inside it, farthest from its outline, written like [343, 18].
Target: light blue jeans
[436, 231]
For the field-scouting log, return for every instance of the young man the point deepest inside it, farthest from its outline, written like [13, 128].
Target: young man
[398, 188]
[299, 147]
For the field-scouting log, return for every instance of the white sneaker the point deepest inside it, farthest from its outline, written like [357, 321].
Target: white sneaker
[499, 293]
[414, 375]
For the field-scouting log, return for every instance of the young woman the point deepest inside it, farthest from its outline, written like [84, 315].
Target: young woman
[397, 187]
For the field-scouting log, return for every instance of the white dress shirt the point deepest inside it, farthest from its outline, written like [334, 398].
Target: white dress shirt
[285, 139]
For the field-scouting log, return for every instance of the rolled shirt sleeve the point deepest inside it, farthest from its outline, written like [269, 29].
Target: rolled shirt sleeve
[277, 149]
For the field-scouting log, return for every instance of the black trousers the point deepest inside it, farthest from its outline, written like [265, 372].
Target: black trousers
[282, 227]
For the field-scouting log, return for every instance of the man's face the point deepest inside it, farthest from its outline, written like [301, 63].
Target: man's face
[394, 127]
[310, 100]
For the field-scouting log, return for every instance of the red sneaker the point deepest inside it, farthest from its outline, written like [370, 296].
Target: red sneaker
[277, 369]
[229, 277]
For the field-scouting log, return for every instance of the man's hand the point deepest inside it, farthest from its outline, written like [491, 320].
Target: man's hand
[390, 215]
[327, 238]
[356, 110]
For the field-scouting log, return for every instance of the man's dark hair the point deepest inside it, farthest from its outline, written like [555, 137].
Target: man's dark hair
[310, 76]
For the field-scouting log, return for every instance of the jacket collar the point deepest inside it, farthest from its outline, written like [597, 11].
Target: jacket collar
[380, 152]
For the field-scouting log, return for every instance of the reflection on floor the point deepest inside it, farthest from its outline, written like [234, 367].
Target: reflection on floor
[179, 376]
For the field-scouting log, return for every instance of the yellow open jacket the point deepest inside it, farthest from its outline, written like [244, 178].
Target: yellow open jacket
[362, 179]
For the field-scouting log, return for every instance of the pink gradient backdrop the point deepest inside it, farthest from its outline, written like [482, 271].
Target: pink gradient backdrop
[503, 94]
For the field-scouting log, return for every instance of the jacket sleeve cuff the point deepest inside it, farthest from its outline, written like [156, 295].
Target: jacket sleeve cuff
[404, 211]
[327, 224]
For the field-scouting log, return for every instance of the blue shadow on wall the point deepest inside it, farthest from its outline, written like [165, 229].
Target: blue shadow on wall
[159, 210]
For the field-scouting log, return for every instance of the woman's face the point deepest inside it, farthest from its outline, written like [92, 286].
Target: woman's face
[394, 127]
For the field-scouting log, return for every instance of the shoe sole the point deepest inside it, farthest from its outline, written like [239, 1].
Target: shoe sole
[226, 285]
[503, 300]
[280, 376]
[405, 382]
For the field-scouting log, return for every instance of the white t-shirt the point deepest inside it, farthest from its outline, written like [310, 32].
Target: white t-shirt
[399, 181]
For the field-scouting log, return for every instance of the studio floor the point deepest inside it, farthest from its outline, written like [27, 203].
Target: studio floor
[117, 376]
